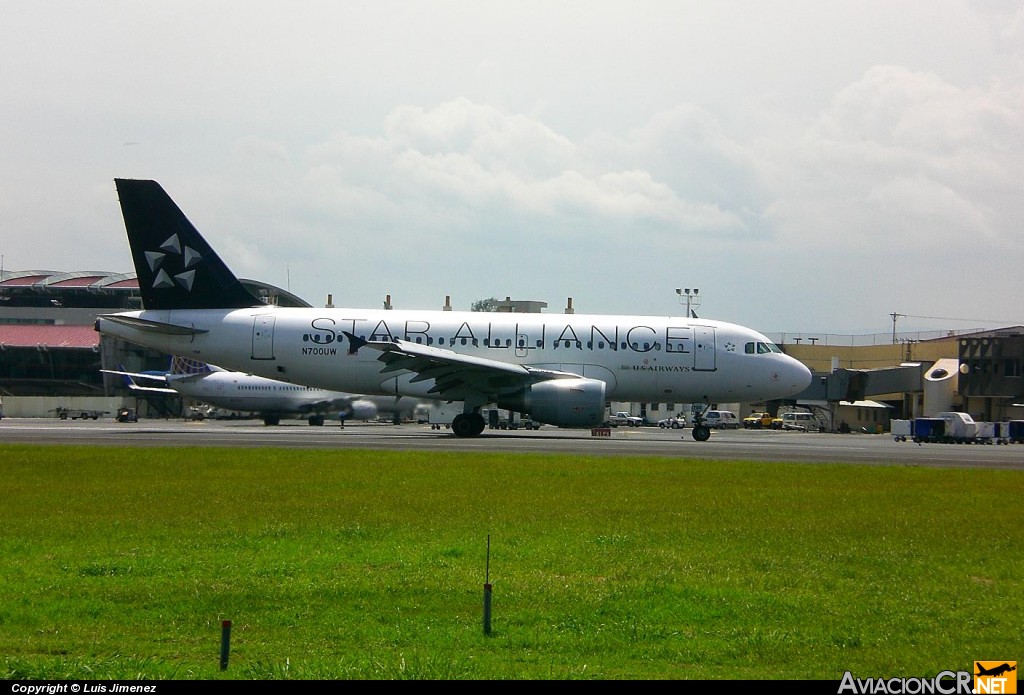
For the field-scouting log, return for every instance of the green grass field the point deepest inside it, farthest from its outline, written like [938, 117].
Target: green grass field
[121, 563]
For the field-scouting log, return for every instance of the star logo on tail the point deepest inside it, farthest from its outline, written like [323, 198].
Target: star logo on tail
[173, 264]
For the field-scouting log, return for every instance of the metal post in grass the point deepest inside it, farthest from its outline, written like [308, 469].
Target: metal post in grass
[225, 643]
[487, 590]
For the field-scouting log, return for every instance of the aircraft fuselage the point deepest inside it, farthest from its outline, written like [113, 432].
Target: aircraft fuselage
[639, 358]
[235, 391]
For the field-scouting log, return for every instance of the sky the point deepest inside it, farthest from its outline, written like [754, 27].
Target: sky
[808, 166]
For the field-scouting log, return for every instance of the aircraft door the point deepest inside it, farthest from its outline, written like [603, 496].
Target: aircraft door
[522, 345]
[704, 349]
[263, 337]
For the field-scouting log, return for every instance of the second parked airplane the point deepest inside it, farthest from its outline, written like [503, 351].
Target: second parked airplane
[249, 393]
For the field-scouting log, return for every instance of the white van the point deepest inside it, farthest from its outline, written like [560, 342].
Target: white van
[805, 422]
[722, 419]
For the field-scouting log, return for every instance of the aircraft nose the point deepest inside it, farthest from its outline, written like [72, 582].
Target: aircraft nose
[798, 375]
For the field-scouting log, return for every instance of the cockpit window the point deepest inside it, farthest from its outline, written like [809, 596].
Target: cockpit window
[760, 348]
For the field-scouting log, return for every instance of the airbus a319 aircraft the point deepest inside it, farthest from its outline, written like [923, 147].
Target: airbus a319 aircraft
[249, 393]
[561, 369]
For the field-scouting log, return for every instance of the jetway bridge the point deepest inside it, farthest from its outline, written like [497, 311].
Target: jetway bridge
[859, 384]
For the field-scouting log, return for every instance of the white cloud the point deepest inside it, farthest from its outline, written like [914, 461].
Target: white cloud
[902, 159]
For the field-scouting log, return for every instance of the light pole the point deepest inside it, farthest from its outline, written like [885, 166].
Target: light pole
[691, 298]
[895, 316]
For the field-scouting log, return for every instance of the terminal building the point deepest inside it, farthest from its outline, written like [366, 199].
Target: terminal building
[51, 357]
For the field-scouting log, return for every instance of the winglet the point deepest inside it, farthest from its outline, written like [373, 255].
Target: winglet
[175, 266]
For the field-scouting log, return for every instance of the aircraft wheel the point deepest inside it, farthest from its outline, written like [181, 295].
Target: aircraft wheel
[271, 420]
[316, 420]
[701, 433]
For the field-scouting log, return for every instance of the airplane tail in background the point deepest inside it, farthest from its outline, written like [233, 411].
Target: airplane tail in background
[183, 366]
[176, 268]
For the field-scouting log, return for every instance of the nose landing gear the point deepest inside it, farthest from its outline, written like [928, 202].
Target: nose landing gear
[701, 432]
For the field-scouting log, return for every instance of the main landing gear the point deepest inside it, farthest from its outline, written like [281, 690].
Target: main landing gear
[468, 424]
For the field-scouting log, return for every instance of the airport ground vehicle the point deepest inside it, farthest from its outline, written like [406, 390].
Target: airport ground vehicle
[722, 419]
[675, 422]
[762, 421]
[624, 419]
[199, 412]
[800, 421]
[78, 413]
[509, 420]
[126, 415]
[957, 428]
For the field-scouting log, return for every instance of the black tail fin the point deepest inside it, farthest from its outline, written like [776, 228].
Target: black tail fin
[176, 268]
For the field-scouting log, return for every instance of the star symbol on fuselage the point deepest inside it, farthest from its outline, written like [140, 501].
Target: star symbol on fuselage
[173, 264]
[730, 347]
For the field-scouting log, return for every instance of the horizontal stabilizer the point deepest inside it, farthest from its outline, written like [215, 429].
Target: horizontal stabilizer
[130, 378]
[152, 326]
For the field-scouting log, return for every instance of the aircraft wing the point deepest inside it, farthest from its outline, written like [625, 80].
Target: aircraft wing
[455, 375]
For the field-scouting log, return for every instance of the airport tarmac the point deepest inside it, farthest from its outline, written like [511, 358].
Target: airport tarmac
[756, 445]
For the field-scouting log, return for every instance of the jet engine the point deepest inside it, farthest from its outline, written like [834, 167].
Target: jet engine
[560, 402]
[360, 410]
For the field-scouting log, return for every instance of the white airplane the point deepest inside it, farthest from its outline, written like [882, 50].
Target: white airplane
[249, 393]
[561, 369]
